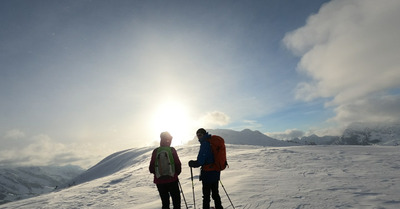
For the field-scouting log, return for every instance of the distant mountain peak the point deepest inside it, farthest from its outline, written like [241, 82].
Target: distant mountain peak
[371, 133]
[248, 137]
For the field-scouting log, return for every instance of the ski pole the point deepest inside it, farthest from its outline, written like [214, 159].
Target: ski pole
[184, 199]
[194, 199]
[227, 194]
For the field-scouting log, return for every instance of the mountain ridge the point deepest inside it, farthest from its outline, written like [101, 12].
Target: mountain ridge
[385, 134]
[246, 137]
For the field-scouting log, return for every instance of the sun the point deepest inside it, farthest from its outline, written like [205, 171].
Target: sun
[174, 118]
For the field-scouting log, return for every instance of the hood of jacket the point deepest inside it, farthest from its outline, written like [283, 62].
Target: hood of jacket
[205, 137]
[165, 142]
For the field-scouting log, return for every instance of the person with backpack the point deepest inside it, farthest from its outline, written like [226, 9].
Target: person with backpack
[166, 166]
[210, 167]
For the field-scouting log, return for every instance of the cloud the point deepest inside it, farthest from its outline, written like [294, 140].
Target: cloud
[383, 108]
[350, 50]
[214, 118]
[14, 134]
[252, 124]
[286, 135]
[41, 149]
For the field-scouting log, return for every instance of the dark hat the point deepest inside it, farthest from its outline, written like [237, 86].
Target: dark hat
[201, 131]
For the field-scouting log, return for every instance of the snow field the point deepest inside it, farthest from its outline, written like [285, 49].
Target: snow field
[258, 177]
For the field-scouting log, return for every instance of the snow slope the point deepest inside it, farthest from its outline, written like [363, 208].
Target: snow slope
[258, 177]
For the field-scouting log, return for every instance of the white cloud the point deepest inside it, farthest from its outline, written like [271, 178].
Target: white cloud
[252, 124]
[351, 51]
[286, 135]
[375, 109]
[14, 134]
[214, 118]
[41, 149]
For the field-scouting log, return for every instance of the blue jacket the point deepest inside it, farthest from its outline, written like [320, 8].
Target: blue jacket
[205, 157]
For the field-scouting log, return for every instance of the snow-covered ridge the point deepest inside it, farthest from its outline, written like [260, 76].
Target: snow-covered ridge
[23, 187]
[124, 165]
[258, 177]
[358, 134]
[112, 164]
[246, 137]
[316, 140]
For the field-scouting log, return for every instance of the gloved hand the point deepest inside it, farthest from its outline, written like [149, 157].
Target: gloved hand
[193, 164]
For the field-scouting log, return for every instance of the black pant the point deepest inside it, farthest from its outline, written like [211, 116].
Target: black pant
[168, 189]
[207, 189]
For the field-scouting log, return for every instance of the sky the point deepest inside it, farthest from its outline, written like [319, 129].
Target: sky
[83, 79]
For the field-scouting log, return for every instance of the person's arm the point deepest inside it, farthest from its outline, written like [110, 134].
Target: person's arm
[204, 151]
[178, 164]
[152, 161]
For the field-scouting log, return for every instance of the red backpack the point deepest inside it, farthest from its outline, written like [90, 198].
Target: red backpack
[219, 152]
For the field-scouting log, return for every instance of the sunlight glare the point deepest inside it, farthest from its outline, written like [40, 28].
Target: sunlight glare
[173, 117]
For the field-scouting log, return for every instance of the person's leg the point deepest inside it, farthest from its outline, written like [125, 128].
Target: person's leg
[175, 194]
[215, 195]
[206, 195]
[163, 191]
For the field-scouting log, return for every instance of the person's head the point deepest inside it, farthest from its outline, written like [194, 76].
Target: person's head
[166, 139]
[200, 133]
